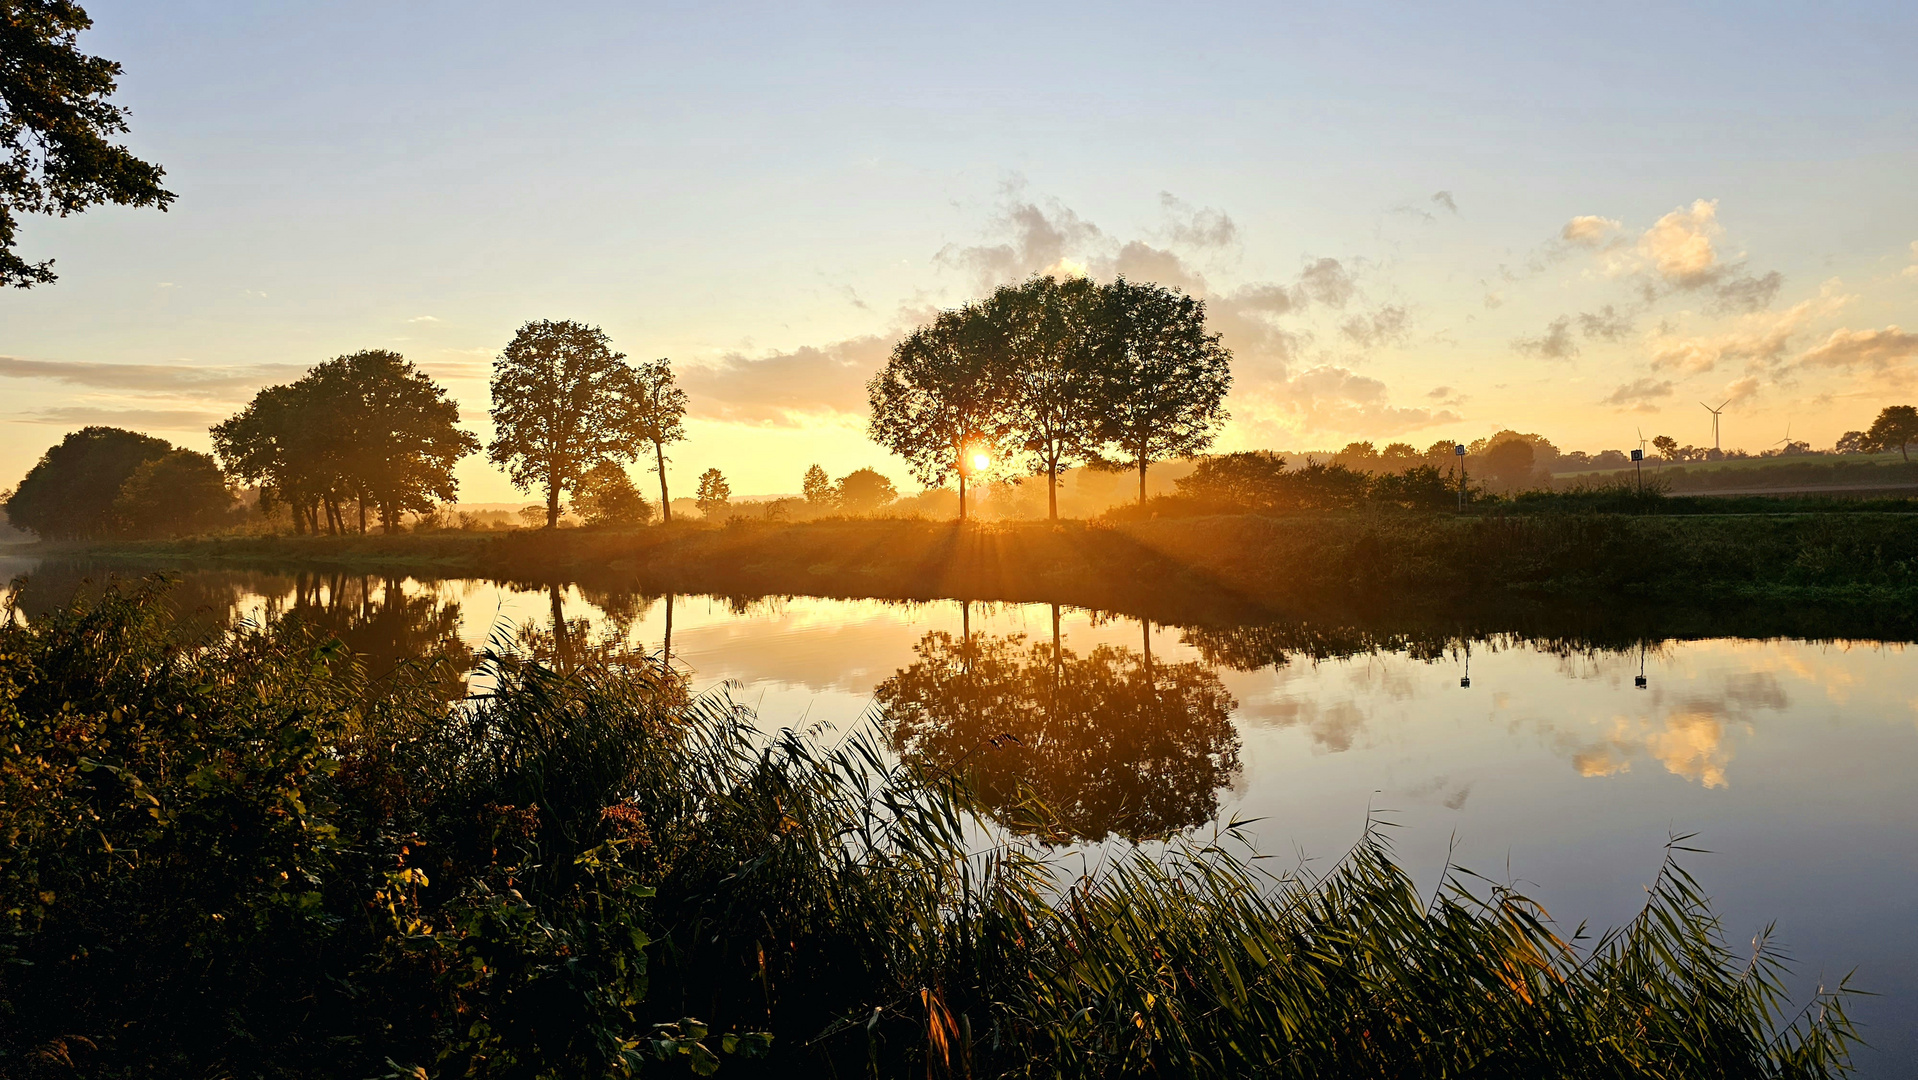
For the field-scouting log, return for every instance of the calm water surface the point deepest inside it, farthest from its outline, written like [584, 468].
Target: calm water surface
[1792, 761]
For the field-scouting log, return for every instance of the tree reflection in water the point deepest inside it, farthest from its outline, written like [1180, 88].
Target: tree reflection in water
[1109, 744]
[384, 627]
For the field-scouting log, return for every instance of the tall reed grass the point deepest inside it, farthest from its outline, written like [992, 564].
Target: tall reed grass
[230, 859]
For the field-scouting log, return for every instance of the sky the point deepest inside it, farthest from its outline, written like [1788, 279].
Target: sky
[1409, 222]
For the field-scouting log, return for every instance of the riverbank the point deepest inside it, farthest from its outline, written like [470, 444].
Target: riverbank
[1254, 562]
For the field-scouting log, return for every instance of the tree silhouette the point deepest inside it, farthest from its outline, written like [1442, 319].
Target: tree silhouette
[1056, 415]
[1163, 378]
[1111, 743]
[657, 413]
[863, 491]
[606, 497]
[368, 426]
[176, 494]
[56, 129]
[69, 494]
[713, 493]
[561, 405]
[944, 395]
[818, 490]
[1896, 425]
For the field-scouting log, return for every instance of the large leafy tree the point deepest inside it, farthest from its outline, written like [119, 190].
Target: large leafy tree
[367, 427]
[946, 396]
[176, 494]
[70, 493]
[396, 433]
[1163, 376]
[280, 441]
[656, 414]
[714, 493]
[562, 403]
[1897, 425]
[1055, 410]
[57, 124]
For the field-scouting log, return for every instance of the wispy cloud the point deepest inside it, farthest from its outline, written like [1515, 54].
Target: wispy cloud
[787, 389]
[148, 377]
[139, 419]
[1640, 395]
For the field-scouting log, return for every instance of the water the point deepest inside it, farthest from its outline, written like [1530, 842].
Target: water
[1791, 760]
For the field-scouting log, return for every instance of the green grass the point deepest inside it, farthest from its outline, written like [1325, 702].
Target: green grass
[238, 857]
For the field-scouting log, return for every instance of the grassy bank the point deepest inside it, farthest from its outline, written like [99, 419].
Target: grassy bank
[1220, 563]
[240, 858]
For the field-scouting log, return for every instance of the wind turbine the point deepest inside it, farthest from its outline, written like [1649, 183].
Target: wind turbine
[1715, 413]
[1786, 441]
[1641, 442]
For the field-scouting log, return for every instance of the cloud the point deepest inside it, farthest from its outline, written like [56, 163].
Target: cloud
[1388, 325]
[1494, 300]
[138, 419]
[1445, 200]
[1874, 349]
[1739, 390]
[1554, 344]
[785, 389]
[1760, 339]
[1679, 244]
[1639, 394]
[1326, 281]
[1912, 270]
[149, 378]
[1606, 324]
[1743, 292]
[1040, 239]
[1333, 399]
[1588, 230]
[422, 318]
[1206, 228]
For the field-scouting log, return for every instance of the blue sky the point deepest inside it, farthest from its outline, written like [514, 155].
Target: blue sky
[1561, 219]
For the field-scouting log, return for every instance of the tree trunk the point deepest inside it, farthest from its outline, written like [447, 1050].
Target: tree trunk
[1142, 479]
[359, 503]
[665, 504]
[962, 494]
[552, 506]
[1052, 488]
[666, 656]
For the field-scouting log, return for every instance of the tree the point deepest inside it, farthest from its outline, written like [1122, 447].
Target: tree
[944, 397]
[179, 493]
[56, 128]
[713, 493]
[657, 413]
[1851, 442]
[562, 403]
[864, 490]
[69, 494]
[1163, 378]
[1896, 426]
[606, 497]
[1055, 405]
[368, 426]
[1508, 464]
[818, 489]
[393, 435]
[274, 442]
[1666, 446]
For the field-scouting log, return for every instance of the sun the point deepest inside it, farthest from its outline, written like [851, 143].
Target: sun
[979, 462]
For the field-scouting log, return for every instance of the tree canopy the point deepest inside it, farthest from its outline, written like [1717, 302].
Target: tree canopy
[1896, 426]
[656, 413]
[1057, 407]
[945, 395]
[607, 498]
[57, 125]
[863, 491]
[817, 487]
[176, 494]
[1164, 376]
[714, 493]
[562, 403]
[70, 493]
[367, 427]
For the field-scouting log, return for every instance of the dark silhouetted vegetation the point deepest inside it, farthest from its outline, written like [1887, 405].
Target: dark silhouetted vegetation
[657, 414]
[562, 403]
[231, 858]
[178, 494]
[57, 125]
[606, 497]
[70, 493]
[368, 429]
